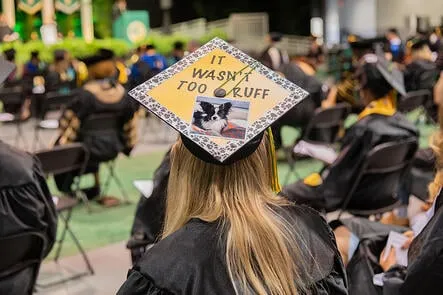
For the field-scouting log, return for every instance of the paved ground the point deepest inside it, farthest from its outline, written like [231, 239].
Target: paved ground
[110, 263]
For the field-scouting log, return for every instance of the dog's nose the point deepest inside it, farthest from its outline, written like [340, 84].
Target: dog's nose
[214, 118]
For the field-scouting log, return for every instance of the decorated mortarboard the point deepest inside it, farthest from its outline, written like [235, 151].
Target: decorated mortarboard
[6, 68]
[220, 100]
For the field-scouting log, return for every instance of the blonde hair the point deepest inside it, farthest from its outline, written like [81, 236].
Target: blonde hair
[262, 248]
[436, 143]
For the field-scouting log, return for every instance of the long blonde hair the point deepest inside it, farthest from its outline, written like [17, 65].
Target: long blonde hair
[262, 252]
[436, 144]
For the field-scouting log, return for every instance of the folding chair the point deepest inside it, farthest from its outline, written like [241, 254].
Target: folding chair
[415, 100]
[21, 252]
[104, 123]
[13, 100]
[323, 129]
[52, 101]
[62, 159]
[385, 165]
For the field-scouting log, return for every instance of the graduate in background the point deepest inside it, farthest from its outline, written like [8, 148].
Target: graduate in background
[345, 90]
[61, 77]
[100, 95]
[226, 229]
[378, 123]
[273, 57]
[362, 244]
[421, 73]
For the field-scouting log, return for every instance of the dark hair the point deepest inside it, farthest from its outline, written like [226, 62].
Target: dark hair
[150, 47]
[393, 31]
[34, 54]
[370, 78]
[275, 36]
[59, 55]
[179, 45]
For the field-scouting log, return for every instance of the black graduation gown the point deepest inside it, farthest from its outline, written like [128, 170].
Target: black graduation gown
[367, 133]
[97, 97]
[191, 260]
[150, 213]
[25, 205]
[364, 264]
[423, 74]
[425, 258]
[300, 115]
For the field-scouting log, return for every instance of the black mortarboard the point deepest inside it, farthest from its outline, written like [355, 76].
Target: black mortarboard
[101, 55]
[9, 54]
[416, 43]
[179, 45]
[363, 44]
[220, 100]
[379, 74]
[6, 68]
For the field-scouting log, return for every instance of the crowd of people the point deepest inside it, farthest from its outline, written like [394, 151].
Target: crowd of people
[212, 227]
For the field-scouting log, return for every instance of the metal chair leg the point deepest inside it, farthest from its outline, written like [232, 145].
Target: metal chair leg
[104, 189]
[119, 183]
[82, 251]
[66, 220]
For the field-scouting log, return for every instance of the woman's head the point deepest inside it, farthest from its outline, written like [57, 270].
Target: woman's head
[261, 246]
[101, 65]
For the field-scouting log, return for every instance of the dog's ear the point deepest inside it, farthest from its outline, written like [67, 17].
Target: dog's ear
[226, 107]
[206, 106]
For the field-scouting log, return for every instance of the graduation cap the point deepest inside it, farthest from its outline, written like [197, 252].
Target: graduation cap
[363, 44]
[6, 68]
[101, 55]
[416, 43]
[220, 100]
[375, 69]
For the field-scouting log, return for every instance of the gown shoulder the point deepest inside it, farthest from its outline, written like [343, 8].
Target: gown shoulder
[192, 260]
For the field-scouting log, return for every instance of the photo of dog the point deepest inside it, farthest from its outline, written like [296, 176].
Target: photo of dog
[219, 117]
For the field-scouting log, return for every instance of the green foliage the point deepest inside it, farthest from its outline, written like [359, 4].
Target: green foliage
[77, 47]
[212, 34]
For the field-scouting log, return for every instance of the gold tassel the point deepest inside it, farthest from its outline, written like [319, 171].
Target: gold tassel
[275, 183]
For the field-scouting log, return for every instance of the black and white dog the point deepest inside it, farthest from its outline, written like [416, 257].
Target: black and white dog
[209, 117]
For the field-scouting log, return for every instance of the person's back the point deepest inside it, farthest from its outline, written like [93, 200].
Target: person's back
[206, 254]
[378, 123]
[359, 140]
[100, 95]
[194, 259]
[25, 205]
[420, 74]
